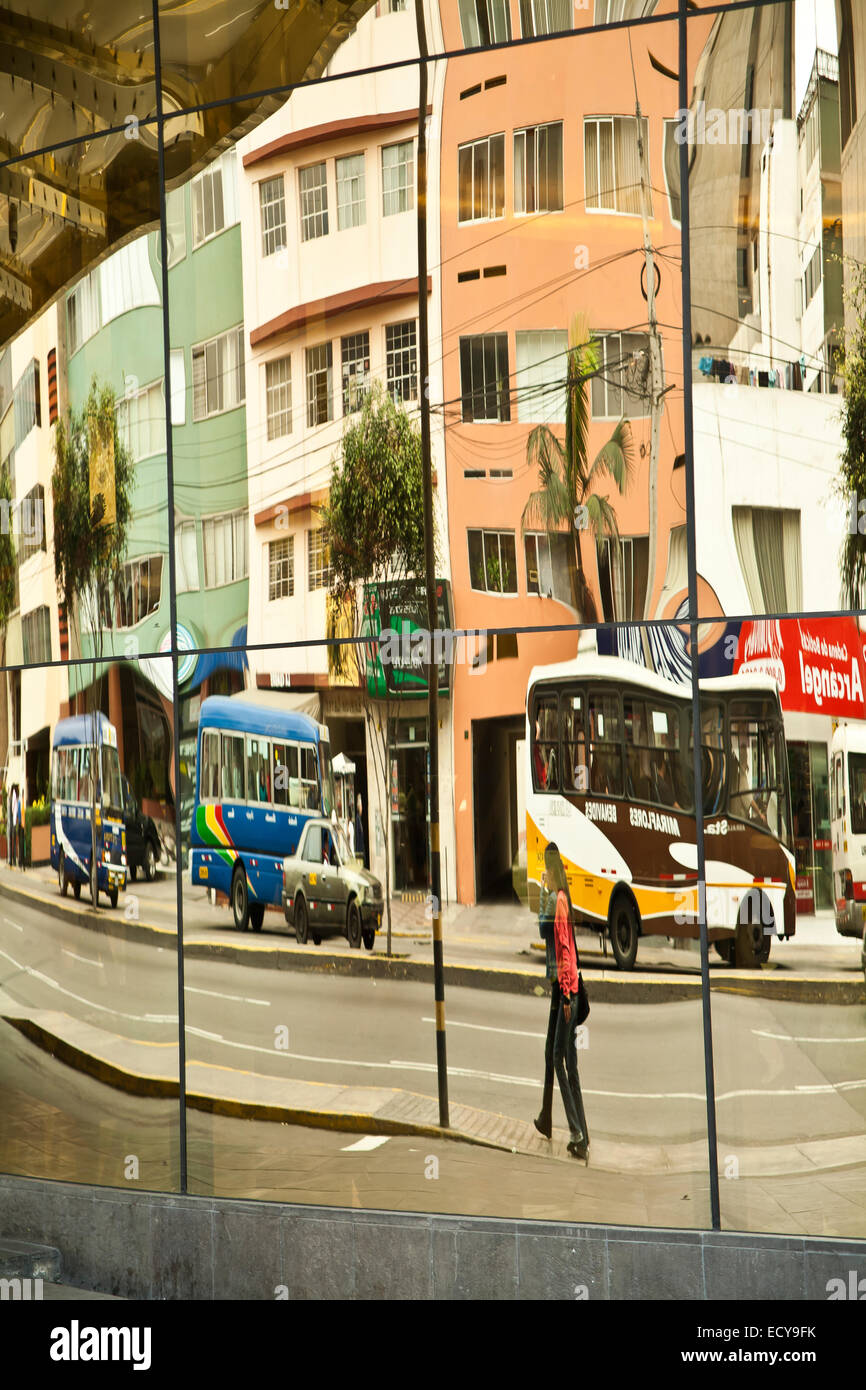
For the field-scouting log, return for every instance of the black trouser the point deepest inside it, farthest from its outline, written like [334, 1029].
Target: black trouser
[546, 1116]
[565, 1065]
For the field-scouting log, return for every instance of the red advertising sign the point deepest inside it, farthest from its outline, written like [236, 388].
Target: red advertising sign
[817, 663]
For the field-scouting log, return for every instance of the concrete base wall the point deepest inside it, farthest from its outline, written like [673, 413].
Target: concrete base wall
[150, 1246]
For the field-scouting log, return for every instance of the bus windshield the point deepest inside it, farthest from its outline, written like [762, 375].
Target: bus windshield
[757, 783]
[327, 777]
[112, 792]
[857, 792]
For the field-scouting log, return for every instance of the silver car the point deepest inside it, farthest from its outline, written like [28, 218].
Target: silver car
[327, 891]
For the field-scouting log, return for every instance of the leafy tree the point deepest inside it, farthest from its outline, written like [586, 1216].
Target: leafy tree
[373, 526]
[567, 495]
[851, 482]
[89, 552]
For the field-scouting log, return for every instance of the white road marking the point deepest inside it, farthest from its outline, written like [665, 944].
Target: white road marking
[487, 1028]
[85, 960]
[369, 1141]
[9, 921]
[787, 1037]
[216, 994]
[79, 999]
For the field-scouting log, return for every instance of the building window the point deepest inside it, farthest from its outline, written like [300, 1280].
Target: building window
[177, 367]
[611, 11]
[538, 168]
[175, 226]
[847, 79]
[36, 631]
[320, 394]
[812, 277]
[396, 6]
[278, 393]
[351, 192]
[319, 572]
[224, 542]
[622, 575]
[272, 205]
[139, 591]
[214, 199]
[185, 556]
[672, 171]
[314, 201]
[141, 422]
[26, 411]
[544, 17]
[218, 375]
[768, 547]
[83, 312]
[127, 281]
[622, 360]
[401, 361]
[356, 371]
[485, 22]
[493, 561]
[281, 568]
[398, 178]
[542, 365]
[484, 377]
[481, 177]
[31, 524]
[612, 164]
[550, 565]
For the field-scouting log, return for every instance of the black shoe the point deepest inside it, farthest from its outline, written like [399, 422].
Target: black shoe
[579, 1148]
[544, 1126]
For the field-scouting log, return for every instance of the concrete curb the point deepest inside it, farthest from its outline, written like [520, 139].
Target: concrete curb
[612, 987]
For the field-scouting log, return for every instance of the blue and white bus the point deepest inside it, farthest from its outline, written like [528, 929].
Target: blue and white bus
[261, 773]
[84, 747]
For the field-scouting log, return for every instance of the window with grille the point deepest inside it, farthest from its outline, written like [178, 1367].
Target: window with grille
[218, 375]
[550, 565]
[281, 568]
[481, 179]
[484, 377]
[278, 392]
[622, 577]
[622, 358]
[538, 168]
[319, 572]
[398, 178]
[314, 201]
[484, 22]
[612, 164]
[36, 632]
[31, 524]
[401, 361]
[351, 192]
[224, 542]
[141, 422]
[542, 366]
[26, 412]
[492, 561]
[140, 589]
[272, 205]
[320, 394]
[356, 371]
[214, 199]
[83, 312]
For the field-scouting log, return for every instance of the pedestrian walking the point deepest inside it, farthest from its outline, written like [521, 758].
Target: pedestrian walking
[546, 915]
[20, 814]
[360, 841]
[13, 826]
[564, 1045]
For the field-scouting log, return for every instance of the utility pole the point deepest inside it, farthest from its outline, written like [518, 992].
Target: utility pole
[430, 568]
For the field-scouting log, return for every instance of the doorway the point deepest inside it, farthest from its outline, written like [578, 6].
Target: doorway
[498, 806]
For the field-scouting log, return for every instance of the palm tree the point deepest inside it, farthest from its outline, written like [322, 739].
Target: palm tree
[568, 485]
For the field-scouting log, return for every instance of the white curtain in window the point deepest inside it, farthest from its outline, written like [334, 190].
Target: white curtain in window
[231, 209]
[126, 280]
[175, 221]
[744, 538]
[792, 560]
[541, 373]
[185, 556]
[178, 387]
[628, 193]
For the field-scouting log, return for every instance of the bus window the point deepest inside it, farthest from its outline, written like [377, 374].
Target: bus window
[638, 770]
[232, 767]
[85, 784]
[857, 792]
[210, 766]
[839, 781]
[70, 775]
[713, 757]
[283, 753]
[112, 792]
[605, 745]
[669, 785]
[545, 744]
[309, 778]
[258, 769]
[758, 786]
[575, 770]
[327, 777]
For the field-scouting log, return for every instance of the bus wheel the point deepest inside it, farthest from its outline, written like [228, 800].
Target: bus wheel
[725, 949]
[149, 863]
[353, 926]
[61, 875]
[302, 922]
[624, 932]
[240, 900]
[257, 915]
[752, 943]
[112, 897]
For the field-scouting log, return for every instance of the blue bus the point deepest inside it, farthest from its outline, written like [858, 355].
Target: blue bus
[261, 773]
[84, 747]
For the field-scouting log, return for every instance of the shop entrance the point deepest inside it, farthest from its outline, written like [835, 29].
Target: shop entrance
[410, 806]
[499, 807]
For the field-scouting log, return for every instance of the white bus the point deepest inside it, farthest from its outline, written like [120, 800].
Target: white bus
[848, 826]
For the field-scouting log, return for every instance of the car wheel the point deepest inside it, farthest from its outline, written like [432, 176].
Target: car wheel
[133, 870]
[61, 875]
[302, 922]
[624, 932]
[257, 915]
[240, 900]
[112, 897]
[725, 949]
[149, 863]
[369, 940]
[353, 925]
[76, 889]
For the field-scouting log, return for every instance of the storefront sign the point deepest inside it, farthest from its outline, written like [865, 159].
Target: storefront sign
[397, 666]
[818, 664]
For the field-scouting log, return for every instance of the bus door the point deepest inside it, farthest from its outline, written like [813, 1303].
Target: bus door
[286, 792]
[265, 865]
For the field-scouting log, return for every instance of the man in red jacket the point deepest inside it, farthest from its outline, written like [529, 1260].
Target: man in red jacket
[564, 1048]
